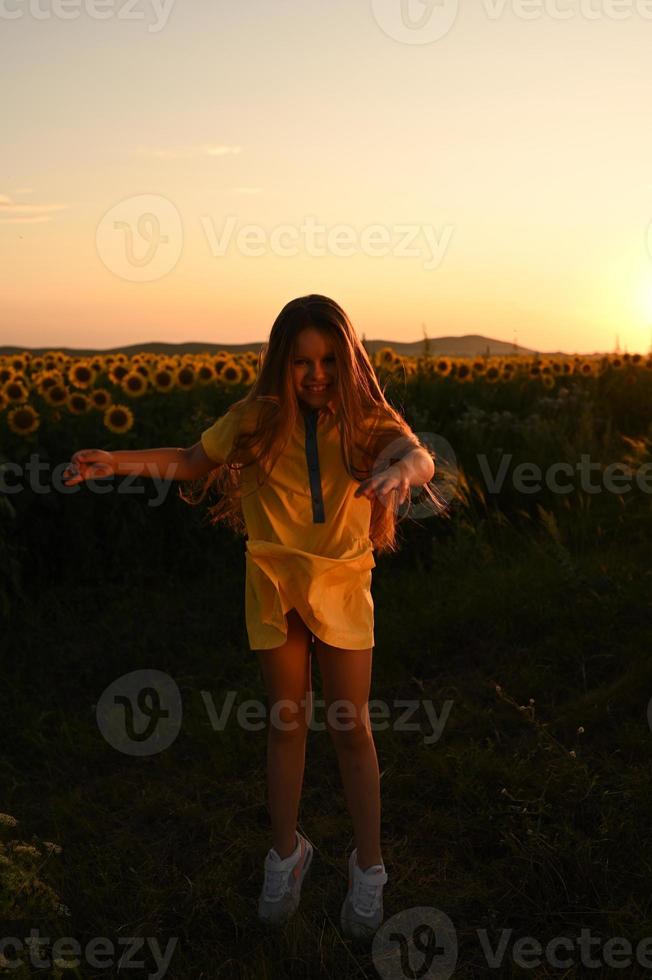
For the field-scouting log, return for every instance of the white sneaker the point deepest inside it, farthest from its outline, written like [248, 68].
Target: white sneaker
[362, 909]
[281, 891]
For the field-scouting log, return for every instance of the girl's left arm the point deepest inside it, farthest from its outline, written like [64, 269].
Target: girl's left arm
[412, 470]
[418, 465]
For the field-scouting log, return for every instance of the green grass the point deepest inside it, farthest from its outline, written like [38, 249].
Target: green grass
[496, 823]
[172, 844]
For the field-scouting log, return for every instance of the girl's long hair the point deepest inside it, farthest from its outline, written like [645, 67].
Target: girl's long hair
[270, 409]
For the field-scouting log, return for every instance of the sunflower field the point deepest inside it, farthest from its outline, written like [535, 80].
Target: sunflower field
[525, 604]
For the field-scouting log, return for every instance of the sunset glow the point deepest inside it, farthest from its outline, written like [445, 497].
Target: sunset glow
[181, 174]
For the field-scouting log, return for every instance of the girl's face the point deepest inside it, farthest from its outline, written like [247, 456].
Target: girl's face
[314, 368]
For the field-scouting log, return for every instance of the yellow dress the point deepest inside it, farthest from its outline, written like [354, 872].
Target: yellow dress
[308, 541]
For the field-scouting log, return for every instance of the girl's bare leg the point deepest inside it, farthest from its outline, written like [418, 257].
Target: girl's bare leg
[346, 676]
[287, 678]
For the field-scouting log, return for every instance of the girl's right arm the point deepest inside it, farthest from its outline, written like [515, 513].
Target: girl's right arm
[162, 464]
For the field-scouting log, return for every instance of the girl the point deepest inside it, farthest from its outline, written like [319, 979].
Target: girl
[311, 465]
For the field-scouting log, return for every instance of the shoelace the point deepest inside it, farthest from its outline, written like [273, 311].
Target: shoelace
[366, 896]
[276, 881]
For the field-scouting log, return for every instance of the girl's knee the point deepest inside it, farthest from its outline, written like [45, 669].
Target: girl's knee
[352, 735]
[288, 720]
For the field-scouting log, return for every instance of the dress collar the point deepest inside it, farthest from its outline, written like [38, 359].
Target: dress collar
[326, 409]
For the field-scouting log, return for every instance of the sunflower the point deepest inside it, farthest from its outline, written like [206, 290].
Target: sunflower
[118, 418]
[463, 371]
[385, 357]
[118, 372]
[636, 358]
[220, 360]
[648, 363]
[81, 375]
[37, 364]
[443, 366]
[585, 368]
[56, 394]
[231, 373]
[548, 381]
[163, 379]
[205, 373]
[479, 366]
[492, 374]
[19, 362]
[23, 420]
[143, 369]
[134, 384]
[15, 390]
[78, 403]
[100, 398]
[6, 373]
[617, 362]
[248, 374]
[535, 370]
[46, 379]
[186, 376]
[3, 402]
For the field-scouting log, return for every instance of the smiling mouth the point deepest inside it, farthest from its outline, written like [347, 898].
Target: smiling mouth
[316, 387]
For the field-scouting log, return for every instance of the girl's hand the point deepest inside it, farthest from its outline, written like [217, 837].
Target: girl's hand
[380, 485]
[88, 464]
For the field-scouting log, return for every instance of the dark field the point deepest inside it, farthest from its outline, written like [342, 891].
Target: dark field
[521, 619]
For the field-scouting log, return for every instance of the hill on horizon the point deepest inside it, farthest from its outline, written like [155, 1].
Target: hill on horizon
[467, 345]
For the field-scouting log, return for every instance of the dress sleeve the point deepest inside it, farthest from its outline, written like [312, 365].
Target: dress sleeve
[387, 440]
[219, 438]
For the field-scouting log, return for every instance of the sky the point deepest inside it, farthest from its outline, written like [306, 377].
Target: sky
[178, 170]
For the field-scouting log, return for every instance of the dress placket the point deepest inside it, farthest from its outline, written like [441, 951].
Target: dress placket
[312, 459]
